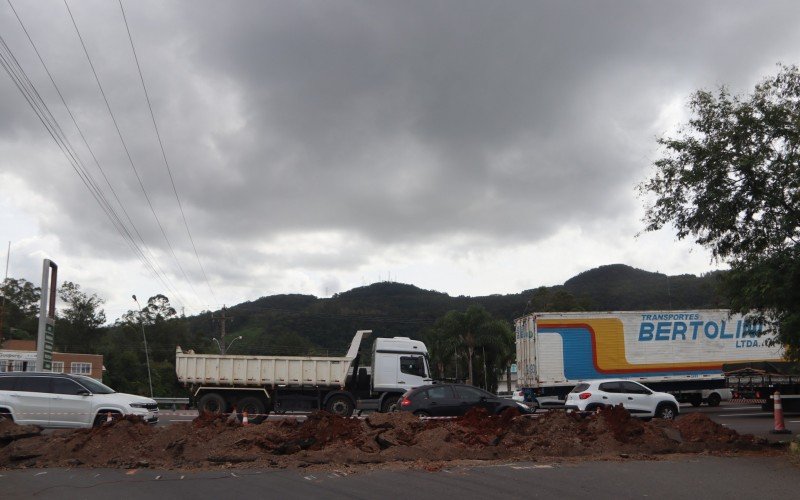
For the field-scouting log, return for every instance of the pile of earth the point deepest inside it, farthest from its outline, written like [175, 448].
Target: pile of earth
[381, 438]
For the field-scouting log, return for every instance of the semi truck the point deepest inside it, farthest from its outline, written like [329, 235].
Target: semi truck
[680, 352]
[760, 380]
[260, 384]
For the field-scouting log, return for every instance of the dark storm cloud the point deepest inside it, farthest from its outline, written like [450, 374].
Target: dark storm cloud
[395, 122]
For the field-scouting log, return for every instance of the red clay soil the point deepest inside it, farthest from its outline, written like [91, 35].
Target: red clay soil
[329, 441]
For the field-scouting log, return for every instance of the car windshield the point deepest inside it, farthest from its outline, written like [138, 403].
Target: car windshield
[94, 386]
[580, 388]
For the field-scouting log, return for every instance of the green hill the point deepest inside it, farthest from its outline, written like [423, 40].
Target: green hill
[300, 324]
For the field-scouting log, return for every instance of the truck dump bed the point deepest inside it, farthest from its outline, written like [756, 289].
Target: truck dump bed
[263, 371]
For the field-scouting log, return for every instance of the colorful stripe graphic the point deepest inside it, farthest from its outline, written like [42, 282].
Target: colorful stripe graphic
[595, 348]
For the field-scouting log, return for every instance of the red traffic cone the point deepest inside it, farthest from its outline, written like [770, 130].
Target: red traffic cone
[244, 418]
[779, 427]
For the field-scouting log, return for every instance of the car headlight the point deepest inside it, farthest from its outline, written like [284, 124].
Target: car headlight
[139, 405]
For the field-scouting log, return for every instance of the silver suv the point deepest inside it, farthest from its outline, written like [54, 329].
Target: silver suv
[63, 400]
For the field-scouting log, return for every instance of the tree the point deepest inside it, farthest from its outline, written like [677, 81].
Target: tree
[79, 322]
[731, 181]
[555, 300]
[20, 307]
[472, 332]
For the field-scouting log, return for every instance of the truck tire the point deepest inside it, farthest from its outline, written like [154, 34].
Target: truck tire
[713, 399]
[339, 405]
[666, 411]
[389, 404]
[255, 408]
[696, 400]
[211, 403]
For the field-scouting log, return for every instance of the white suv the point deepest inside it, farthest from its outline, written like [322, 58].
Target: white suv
[62, 400]
[633, 396]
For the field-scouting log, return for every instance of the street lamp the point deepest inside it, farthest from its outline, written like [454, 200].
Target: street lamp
[146, 356]
[221, 350]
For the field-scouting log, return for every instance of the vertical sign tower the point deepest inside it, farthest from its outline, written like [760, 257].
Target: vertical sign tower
[47, 317]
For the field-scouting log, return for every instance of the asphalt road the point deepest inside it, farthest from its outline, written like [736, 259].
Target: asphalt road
[710, 477]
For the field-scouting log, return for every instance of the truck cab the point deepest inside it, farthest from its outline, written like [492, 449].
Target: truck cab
[399, 364]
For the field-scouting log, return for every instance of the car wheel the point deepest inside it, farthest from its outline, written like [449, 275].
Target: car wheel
[666, 411]
[211, 403]
[713, 399]
[390, 404]
[5, 414]
[422, 413]
[594, 407]
[339, 405]
[102, 417]
[253, 406]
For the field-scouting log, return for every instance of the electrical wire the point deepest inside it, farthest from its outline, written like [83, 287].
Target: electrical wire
[125, 147]
[164, 154]
[84, 174]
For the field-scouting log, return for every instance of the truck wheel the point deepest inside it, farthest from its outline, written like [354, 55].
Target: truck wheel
[339, 405]
[666, 411]
[255, 408]
[211, 403]
[389, 404]
[713, 399]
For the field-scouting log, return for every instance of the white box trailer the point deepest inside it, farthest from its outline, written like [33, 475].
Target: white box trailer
[681, 352]
[260, 384]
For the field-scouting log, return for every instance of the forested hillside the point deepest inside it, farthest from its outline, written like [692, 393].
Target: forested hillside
[303, 324]
[293, 324]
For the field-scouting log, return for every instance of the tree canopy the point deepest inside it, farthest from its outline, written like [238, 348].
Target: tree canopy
[469, 336]
[730, 179]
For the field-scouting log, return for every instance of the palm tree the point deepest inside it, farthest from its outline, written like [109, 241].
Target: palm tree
[473, 330]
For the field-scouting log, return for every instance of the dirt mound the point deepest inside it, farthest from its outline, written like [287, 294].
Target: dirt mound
[9, 431]
[697, 427]
[324, 439]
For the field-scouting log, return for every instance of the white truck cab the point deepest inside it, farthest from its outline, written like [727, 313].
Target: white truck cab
[399, 363]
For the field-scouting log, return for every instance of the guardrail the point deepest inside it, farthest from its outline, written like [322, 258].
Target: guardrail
[172, 402]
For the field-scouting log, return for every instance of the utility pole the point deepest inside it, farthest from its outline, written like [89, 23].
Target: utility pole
[3, 304]
[223, 319]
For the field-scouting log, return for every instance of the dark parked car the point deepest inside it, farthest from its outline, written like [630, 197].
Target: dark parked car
[453, 400]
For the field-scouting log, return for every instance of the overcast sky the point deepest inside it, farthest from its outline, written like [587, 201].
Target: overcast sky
[469, 147]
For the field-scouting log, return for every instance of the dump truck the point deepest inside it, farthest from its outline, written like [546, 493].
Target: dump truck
[679, 352]
[261, 384]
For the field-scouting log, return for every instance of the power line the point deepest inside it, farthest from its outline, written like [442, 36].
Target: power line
[163, 153]
[127, 236]
[125, 147]
[34, 99]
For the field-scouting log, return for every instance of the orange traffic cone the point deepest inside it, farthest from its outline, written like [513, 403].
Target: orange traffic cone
[779, 427]
[244, 418]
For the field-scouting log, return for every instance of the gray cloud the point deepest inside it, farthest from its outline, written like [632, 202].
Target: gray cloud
[394, 123]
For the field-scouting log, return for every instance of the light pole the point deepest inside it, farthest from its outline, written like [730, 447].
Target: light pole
[146, 356]
[222, 349]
